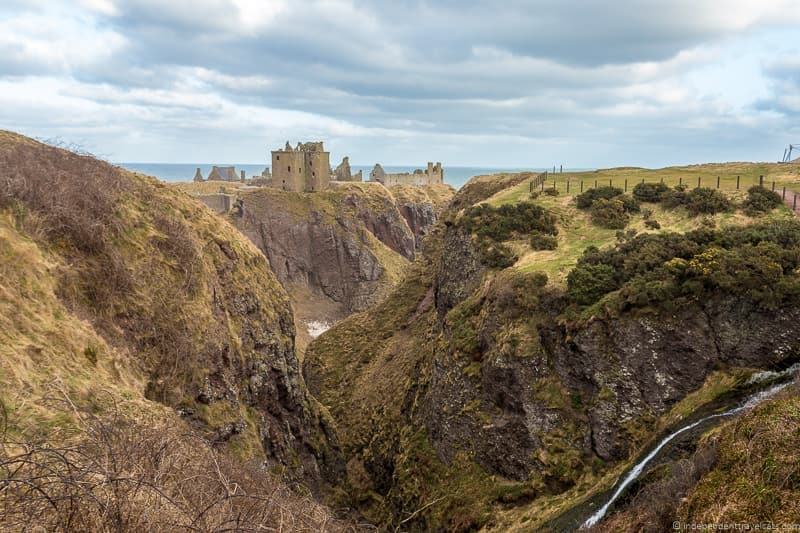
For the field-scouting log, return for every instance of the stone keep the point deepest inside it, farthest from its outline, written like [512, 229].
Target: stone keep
[302, 169]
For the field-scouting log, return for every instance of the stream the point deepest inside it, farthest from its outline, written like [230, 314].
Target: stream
[572, 520]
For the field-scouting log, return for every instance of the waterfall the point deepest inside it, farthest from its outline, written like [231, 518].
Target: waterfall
[751, 402]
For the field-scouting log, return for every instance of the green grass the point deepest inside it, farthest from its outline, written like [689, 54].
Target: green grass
[787, 175]
[577, 232]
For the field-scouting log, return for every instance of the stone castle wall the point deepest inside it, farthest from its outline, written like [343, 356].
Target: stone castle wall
[433, 174]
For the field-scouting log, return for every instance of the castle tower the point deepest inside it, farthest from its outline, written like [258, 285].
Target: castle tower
[198, 176]
[305, 168]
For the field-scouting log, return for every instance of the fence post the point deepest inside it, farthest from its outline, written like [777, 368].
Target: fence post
[773, 185]
[609, 182]
[554, 183]
[581, 185]
[761, 181]
[717, 182]
[567, 185]
[680, 180]
[626, 185]
[595, 184]
[783, 196]
[698, 182]
[737, 183]
[542, 185]
[794, 202]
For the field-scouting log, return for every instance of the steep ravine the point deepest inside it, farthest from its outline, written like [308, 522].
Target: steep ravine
[338, 252]
[471, 398]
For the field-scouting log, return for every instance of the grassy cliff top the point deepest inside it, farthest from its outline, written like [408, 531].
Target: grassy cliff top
[576, 230]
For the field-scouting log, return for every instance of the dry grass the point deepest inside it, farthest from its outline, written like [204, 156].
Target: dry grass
[126, 477]
[757, 477]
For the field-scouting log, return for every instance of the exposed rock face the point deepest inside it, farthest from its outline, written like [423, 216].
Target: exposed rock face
[384, 220]
[420, 217]
[330, 246]
[640, 366]
[460, 273]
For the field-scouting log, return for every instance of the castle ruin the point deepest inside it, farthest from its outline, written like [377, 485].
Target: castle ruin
[220, 174]
[343, 172]
[433, 174]
[302, 169]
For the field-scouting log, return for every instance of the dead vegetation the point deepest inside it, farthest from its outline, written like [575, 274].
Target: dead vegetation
[128, 477]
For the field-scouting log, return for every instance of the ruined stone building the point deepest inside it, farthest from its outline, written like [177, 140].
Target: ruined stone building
[343, 172]
[305, 168]
[433, 174]
[220, 174]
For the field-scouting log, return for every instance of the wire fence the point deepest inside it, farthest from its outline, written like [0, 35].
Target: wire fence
[573, 185]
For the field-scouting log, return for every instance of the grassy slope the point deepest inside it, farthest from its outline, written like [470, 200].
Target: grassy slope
[576, 231]
[757, 475]
[137, 311]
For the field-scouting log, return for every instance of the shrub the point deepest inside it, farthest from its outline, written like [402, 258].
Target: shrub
[760, 200]
[649, 192]
[652, 224]
[587, 284]
[551, 191]
[630, 203]
[708, 201]
[496, 254]
[507, 221]
[127, 476]
[610, 214]
[674, 197]
[540, 241]
[587, 199]
[758, 262]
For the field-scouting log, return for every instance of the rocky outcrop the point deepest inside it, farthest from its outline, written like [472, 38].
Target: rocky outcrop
[639, 366]
[341, 247]
[459, 274]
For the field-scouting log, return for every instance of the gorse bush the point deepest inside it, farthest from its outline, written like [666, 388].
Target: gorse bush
[508, 221]
[586, 199]
[540, 241]
[760, 200]
[649, 192]
[610, 214]
[493, 225]
[701, 200]
[755, 262]
[609, 206]
[652, 224]
[496, 254]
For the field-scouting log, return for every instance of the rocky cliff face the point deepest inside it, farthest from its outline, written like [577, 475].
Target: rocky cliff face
[337, 252]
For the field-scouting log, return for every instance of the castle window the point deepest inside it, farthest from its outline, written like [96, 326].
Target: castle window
[289, 168]
[278, 157]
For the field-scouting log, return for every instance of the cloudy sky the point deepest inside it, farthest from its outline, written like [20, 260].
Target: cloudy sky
[508, 83]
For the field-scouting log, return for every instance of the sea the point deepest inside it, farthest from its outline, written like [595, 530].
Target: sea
[454, 176]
